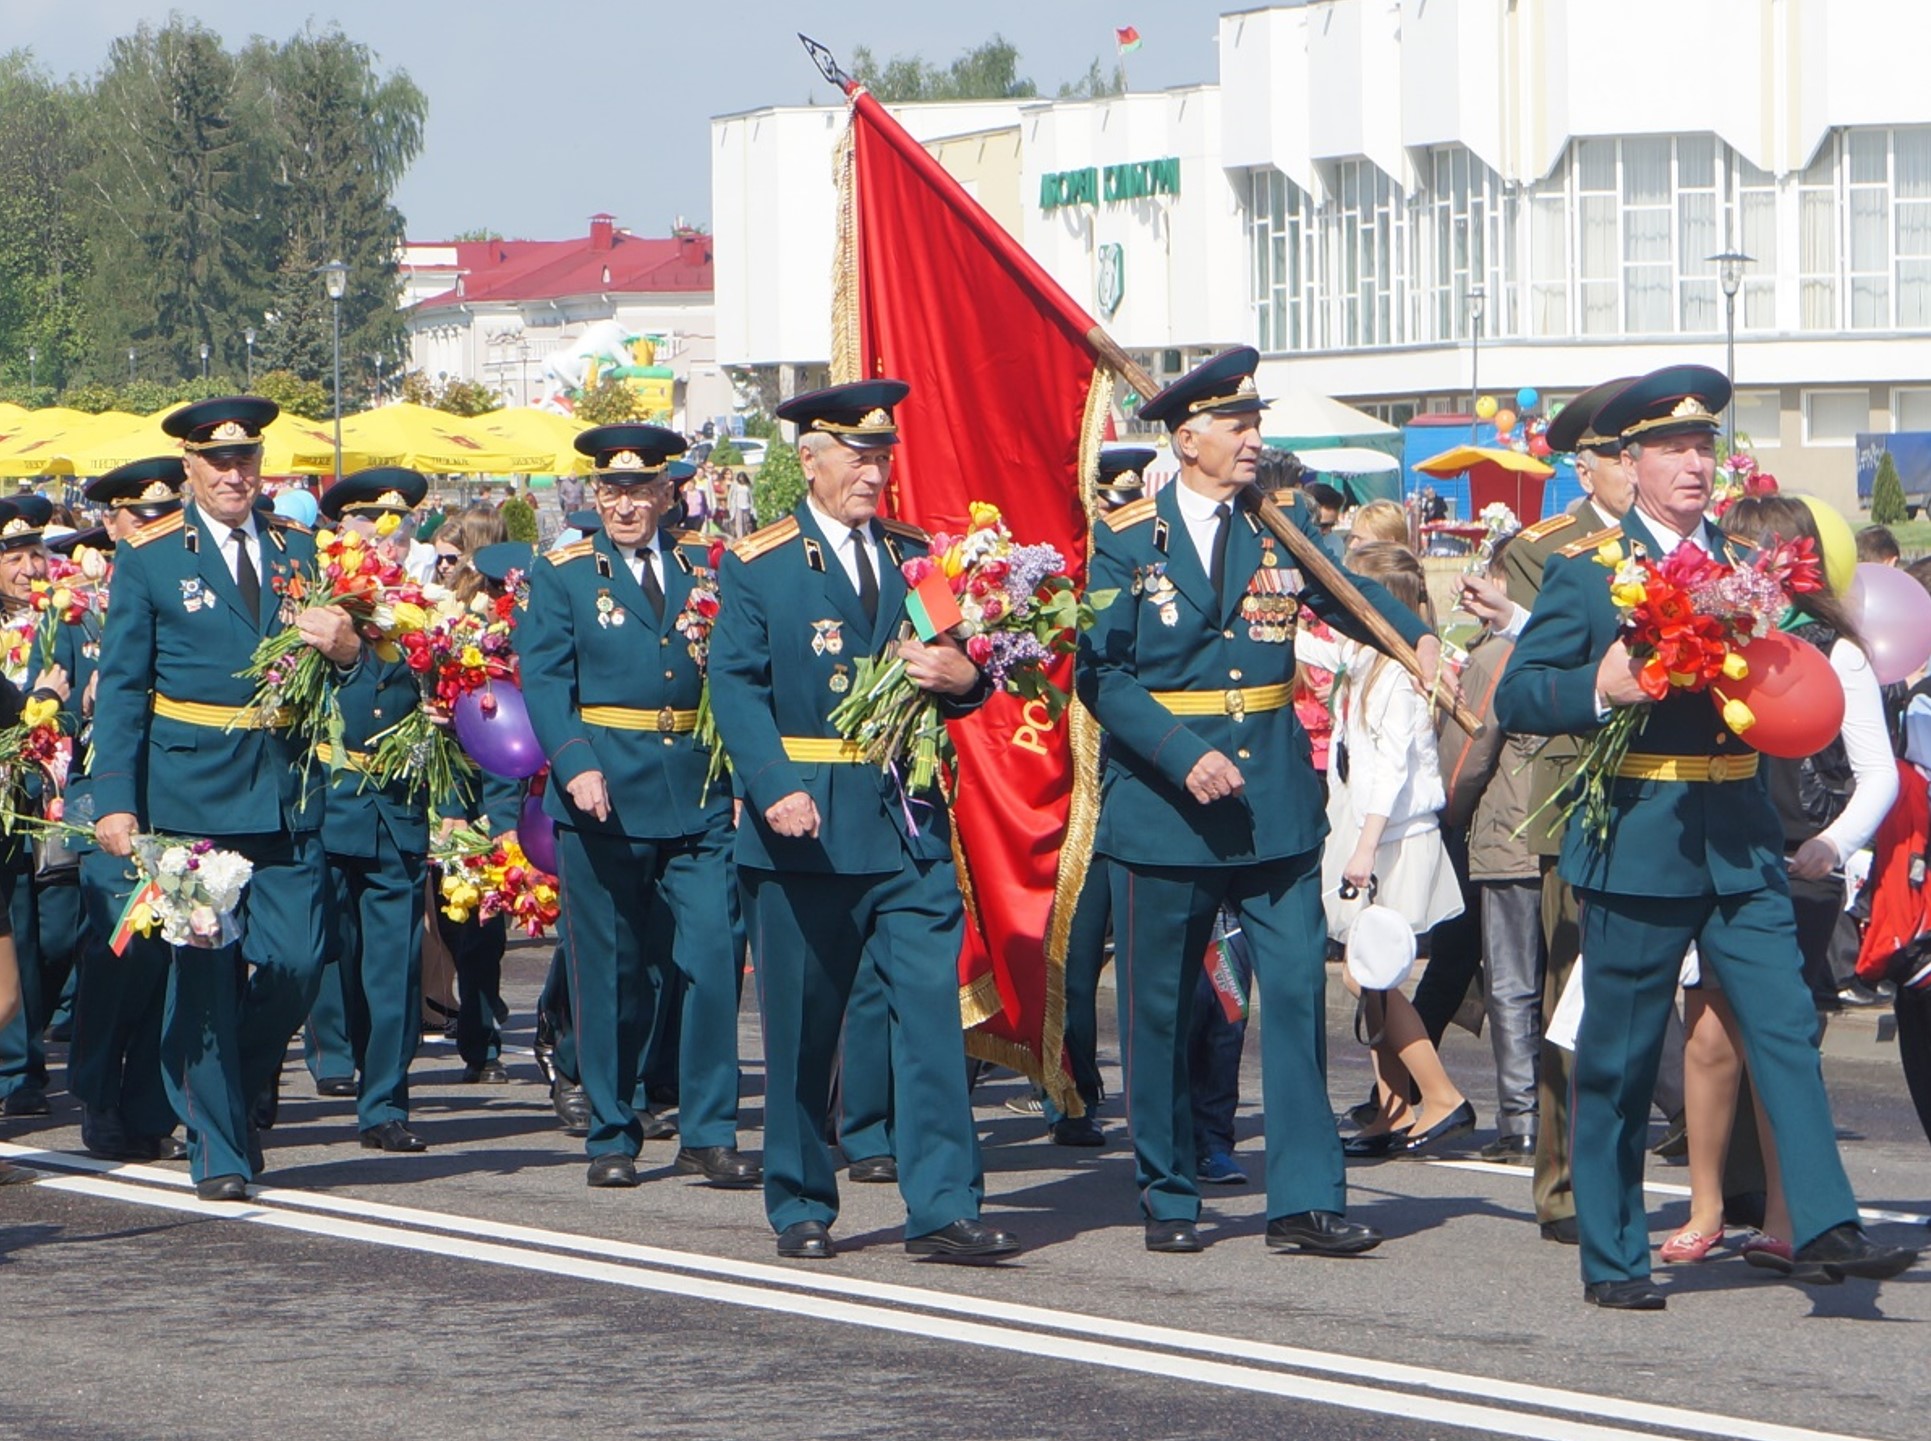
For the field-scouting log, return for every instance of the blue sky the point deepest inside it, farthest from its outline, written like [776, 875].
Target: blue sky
[543, 112]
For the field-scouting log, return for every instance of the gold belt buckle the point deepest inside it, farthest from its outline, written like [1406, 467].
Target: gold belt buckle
[666, 721]
[1719, 769]
[1236, 704]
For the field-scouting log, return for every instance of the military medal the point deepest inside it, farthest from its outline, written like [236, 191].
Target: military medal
[1268, 558]
[840, 682]
[608, 612]
[1160, 592]
[827, 637]
[193, 596]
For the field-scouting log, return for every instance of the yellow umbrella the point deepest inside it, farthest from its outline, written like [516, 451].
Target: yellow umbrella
[42, 443]
[526, 428]
[1495, 474]
[295, 445]
[431, 440]
[291, 446]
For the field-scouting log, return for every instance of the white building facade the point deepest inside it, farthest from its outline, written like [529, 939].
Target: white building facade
[1373, 182]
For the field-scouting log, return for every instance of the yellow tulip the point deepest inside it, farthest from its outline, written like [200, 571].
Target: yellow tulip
[39, 711]
[386, 651]
[1735, 667]
[324, 539]
[1680, 678]
[458, 914]
[472, 657]
[63, 597]
[1628, 594]
[984, 514]
[1738, 716]
[1610, 553]
[143, 919]
[388, 524]
[409, 617]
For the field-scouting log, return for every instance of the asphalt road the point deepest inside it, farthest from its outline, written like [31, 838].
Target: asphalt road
[480, 1290]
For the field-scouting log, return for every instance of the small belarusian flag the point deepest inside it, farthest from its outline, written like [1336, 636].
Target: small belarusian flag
[127, 928]
[933, 607]
[1128, 38]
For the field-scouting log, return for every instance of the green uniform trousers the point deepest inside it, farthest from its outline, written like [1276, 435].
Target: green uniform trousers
[375, 913]
[114, 1063]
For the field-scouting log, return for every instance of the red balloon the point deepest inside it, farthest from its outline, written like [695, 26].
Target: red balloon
[1539, 445]
[1796, 697]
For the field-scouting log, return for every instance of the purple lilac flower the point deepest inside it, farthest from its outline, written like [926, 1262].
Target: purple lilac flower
[1029, 566]
[1012, 651]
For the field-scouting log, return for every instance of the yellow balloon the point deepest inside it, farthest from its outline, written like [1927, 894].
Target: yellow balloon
[1485, 408]
[1838, 544]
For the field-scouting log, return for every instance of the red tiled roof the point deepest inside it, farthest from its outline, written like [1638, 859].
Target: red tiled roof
[520, 270]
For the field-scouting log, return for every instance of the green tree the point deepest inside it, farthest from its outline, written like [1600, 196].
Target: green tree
[986, 72]
[609, 403]
[1095, 83]
[780, 484]
[479, 233]
[725, 452]
[296, 396]
[519, 519]
[43, 253]
[467, 397]
[1887, 494]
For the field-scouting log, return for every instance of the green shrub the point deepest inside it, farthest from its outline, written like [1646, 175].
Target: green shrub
[519, 519]
[725, 454]
[1887, 493]
[780, 484]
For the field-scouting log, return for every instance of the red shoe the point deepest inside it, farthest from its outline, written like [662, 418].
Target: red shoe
[1688, 1245]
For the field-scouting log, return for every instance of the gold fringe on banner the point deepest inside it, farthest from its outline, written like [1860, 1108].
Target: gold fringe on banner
[845, 366]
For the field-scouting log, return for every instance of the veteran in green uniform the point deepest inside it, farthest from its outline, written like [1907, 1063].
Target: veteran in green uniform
[114, 1062]
[840, 865]
[181, 754]
[1691, 856]
[1209, 799]
[613, 649]
[376, 839]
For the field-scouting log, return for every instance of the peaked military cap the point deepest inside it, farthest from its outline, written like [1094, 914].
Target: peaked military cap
[22, 520]
[631, 453]
[1574, 428]
[149, 488]
[370, 494]
[1120, 479]
[1221, 386]
[1676, 400]
[229, 422]
[495, 562]
[93, 538]
[859, 414]
[586, 522]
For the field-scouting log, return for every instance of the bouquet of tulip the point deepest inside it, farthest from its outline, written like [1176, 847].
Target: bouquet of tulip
[488, 878]
[36, 744]
[1013, 607]
[694, 623]
[1687, 619]
[1737, 477]
[68, 596]
[187, 890]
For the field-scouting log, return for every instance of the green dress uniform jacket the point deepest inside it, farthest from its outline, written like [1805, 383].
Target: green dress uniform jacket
[379, 694]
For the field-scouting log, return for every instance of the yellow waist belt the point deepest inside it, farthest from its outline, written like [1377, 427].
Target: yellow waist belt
[1637, 767]
[1236, 702]
[325, 753]
[629, 718]
[810, 750]
[222, 717]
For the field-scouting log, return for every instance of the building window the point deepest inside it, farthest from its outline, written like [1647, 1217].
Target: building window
[1834, 417]
[1911, 408]
[1459, 245]
[1753, 230]
[1865, 232]
[1363, 232]
[1280, 237]
[1759, 418]
[1549, 253]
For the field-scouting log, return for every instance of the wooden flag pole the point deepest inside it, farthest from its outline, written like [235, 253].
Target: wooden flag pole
[1313, 560]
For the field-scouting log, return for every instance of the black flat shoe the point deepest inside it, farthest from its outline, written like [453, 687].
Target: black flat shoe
[1176, 1238]
[1325, 1233]
[1077, 1131]
[964, 1240]
[613, 1171]
[222, 1188]
[656, 1128]
[1458, 1122]
[102, 1134]
[490, 1073]
[1635, 1295]
[545, 1045]
[1375, 1145]
[1846, 1251]
[392, 1136]
[875, 1171]
[1563, 1231]
[721, 1165]
[168, 1148]
[268, 1105]
[27, 1101]
[806, 1241]
[337, 1086]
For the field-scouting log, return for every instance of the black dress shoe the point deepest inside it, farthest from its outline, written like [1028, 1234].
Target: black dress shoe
[1173, 1237]
[1563, 1231]
[1509, 1150]
[545, 1046]
[964, 1240]
[268, 1105]
[332, 1086]
[656, 1128]
[1078, 1131]
[613, 1170]
[392, 1136]
[1846, 1251]
[251, 1142]
[661, 1096]
[1634, 1295]
[1458, 1122]
[166, 1148]
[806, 1241]
[1326, 1233]
[875, 1171]
[102, 1134]
[724, 1165]
[27, 1101]
[222, 1188]
[490, 1073]
[572, 1107]
[1375, 1145]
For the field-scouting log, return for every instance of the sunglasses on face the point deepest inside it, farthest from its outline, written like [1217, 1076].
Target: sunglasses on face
[447, 558]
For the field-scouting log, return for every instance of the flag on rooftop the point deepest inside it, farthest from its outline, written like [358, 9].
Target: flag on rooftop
[1128, 39]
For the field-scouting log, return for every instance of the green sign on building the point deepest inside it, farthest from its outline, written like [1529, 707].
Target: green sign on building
[1135, 180]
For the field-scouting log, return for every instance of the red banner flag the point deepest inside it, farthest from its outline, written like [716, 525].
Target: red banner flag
[1007, 406]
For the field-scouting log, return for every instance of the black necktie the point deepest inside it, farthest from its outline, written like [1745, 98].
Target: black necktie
[867, 577]
[247, 579]
[1217, 570]
[653, 588]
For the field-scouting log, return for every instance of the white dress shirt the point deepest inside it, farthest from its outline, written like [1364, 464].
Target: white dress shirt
[652, 556]
[845, 542]
[230, 547]
[1203, 525]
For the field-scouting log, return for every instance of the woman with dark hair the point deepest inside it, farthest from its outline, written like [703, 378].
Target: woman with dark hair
[1830, 805]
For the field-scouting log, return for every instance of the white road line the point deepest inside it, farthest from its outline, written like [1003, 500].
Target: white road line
[1666, 1188]
[495, 1236]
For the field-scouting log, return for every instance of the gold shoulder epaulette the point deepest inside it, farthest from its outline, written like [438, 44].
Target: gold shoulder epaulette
[1545, 528]
[576, 550]
[758, 542]
[155, 529]
[1132, 513]
[283, 522]
[910, 532]
[689, 537]
[1589, 542]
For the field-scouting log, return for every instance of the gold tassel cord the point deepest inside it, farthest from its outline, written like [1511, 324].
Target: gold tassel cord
[844, 264]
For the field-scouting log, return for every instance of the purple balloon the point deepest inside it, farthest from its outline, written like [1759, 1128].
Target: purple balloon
[1893, 614]
[537, 833]
[493, 725]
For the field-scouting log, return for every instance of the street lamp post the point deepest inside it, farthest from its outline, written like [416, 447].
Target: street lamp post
[1729, 273]
[336, 275]
[375, 361]
[204, 360]
[248, 339]
[33, 367]
[130, 365]
[1477, 294]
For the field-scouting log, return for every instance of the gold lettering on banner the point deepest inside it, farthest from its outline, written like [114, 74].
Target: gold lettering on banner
[1035, 719]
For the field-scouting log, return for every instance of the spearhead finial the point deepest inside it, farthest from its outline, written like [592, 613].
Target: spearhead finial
[827, 64]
